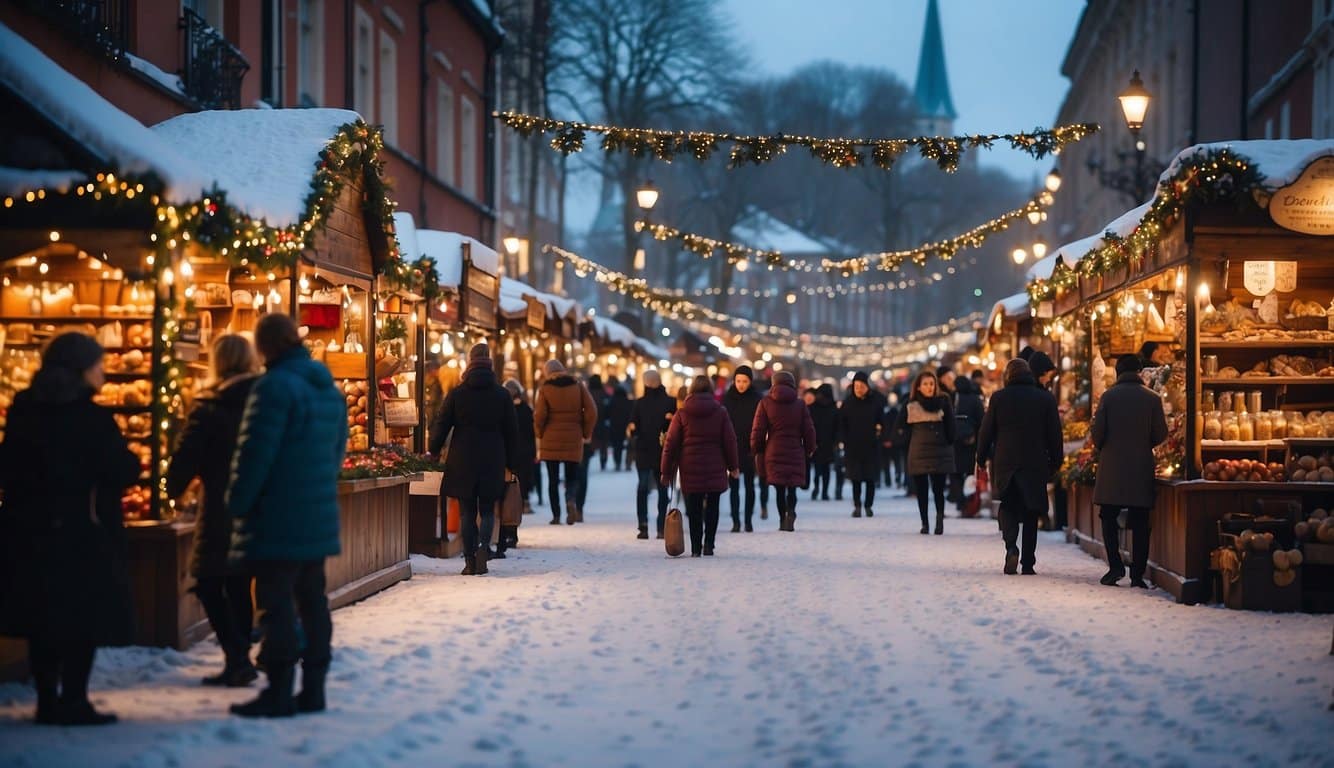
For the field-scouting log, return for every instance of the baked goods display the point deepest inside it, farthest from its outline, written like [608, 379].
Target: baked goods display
[129, 394]
[356, 395]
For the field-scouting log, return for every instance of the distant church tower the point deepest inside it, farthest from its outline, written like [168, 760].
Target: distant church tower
[935, 109]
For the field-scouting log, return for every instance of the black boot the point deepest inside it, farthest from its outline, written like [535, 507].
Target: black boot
[750, 527]
[479, 561]
[311, 698]
[274, 701]
[869, 512]
[926, 526]
[856, 509]
[940, 522]
[736, 525]
[238, 672]
[469, 566]
[643, 532]
[81, 712]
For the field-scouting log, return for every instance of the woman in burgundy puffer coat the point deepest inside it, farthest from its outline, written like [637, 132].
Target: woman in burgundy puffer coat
[701, 442]
[782, 439]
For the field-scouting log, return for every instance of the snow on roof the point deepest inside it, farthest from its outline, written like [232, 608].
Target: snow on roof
[405, 229]
[761, 229]
[1280, 160]
[116, 138]
[1124, 224]
[651, 350]
[447, 250]
[16, 181]
[1012, 306]
[512, 305]
[558, 306]
[614, 332]
[264, 159]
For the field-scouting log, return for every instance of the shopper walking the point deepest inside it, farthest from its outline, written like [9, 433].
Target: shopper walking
[927, 421]
[283, 499]
[741, 401]
[782, 440]
[618, 419]
[1127, 426]
[479, 421]
[824, 417]
[649, 419]
[525, 461]
[563, 418]
[205, 451]
[860, 425]
[602, 430]
[968, 412]
[700, 442]
[894, 454]
[63, 580]
[1021, 436]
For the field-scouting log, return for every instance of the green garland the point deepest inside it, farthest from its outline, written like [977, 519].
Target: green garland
[1219, 174]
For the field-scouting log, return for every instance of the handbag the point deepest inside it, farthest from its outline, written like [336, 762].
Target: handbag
[674, 535]
[511, 504]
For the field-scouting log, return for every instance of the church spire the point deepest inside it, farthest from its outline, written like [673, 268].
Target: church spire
[932, 92]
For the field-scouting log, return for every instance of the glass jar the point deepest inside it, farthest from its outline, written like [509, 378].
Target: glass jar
[1208, 403]
[1254, 401]
[1231, 429]
[1213, 426]
[1245, 428]
[1225, 401]
[1264, 427]
[1296, 425]
[1239, 402]
[1210, 365]
[1280, 422]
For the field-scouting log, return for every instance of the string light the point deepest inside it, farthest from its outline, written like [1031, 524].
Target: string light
[946, 151]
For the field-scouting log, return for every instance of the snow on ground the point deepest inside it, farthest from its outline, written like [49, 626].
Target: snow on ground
[848, 643]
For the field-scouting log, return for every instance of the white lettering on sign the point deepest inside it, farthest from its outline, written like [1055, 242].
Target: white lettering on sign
[1307, 205]
[1258, 277]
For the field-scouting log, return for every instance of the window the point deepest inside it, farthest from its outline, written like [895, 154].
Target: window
[444, 132]
[389, 87]
[363, 63]
[468, 146]
[310, 52]
[271, 54]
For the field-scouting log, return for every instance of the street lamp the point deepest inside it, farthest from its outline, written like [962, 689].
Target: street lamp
[511, 244]
[647, 196]
[1053, 182]
[1136, 179]
[1019, 255]
[1134, 104]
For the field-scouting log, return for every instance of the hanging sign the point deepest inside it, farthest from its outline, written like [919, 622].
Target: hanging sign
[1264, 277]
[1307, 205]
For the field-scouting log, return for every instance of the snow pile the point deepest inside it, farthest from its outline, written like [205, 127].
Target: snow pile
[614, 332]
[840, 645]
[167, 80]
[447, 250]
[123, 143]
[405, 229]
[1281, 161]
[264, 159]
[761, 229]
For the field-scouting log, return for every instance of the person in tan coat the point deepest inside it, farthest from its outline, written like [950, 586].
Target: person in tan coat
[563, 418]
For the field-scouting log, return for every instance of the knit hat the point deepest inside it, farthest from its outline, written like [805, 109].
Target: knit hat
[73, 350]
[1128, 364]
[863, 377]
[479, 351]
[1041, 363]
[514, 387]
[554, 367]
[783, 377]
[744, 370]
[651, 378]
[1015, 369]
[1026, 353]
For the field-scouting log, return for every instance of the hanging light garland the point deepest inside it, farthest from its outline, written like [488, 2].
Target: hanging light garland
[825, 291]
[945, 151]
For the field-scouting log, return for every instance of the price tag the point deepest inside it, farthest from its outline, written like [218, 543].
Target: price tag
[1259, 277]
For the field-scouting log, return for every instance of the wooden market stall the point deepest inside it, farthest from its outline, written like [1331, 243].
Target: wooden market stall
[1232, 267]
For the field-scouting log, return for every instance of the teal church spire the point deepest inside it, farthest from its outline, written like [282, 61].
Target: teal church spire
[932, 91]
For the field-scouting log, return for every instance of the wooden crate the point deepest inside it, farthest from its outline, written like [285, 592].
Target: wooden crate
[346, 365]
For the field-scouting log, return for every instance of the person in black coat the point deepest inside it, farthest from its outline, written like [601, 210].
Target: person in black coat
[860, 426]
[893, 455]
[526, 469]
[1021, 436]
[740, 401]
[650, 416]
[63, 579]
[478, 419]
[968, 412]
[205, 451]
[824, 414]
[618, 418]
[1128, 424]
[602, 430]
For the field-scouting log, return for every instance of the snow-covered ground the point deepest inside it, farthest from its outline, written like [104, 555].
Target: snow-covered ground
[850, 642]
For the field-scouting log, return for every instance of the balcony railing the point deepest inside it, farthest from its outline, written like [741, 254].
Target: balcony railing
[212, 68]
[103, 25]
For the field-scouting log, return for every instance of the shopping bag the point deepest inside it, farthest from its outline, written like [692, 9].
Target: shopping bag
[511, 504]
[674, 535]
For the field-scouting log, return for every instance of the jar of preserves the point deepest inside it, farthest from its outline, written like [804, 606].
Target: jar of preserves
[1231, 429]
[1254, 401]
[1239, 402]
[1280, 423]
[1213, 426]
[1245, 428]
[1264, 427]
[1225, 402]
[1207, 403]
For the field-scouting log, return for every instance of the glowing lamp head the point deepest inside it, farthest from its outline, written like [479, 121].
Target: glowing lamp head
[1053, 182]
[511, 244]
[647, 196]
[1039, 249]
[1134, 103]
[1019, 255]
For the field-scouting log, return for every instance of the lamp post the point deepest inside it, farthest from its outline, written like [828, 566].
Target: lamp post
[645, 197]
[1136, 179]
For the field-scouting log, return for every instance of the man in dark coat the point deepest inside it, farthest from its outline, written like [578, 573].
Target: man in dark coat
[205, 451]
[478, 419]
[968, 412]
[860, 426]
[283, 499]
[1021, 435]
[824, 415]
[602, 431]
[63, 579]
[525, 465]
[741, 400]
[649, 418]
[618, 418]
[1128, 424]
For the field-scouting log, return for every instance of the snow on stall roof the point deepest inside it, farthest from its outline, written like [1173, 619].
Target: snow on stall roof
[405, 229]
[558, 306]
[651, 350]
[761, 229]
[512, 305]
[614, 332]
[16, 181]
[264, 159]
[1012, 306]
[116, 138]
[1280, 160]
[447, 249]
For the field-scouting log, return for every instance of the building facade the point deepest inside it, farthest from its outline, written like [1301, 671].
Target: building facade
[425, 71]
[1221, 70]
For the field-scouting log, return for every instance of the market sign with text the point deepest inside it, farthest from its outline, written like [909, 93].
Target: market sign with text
[1307, 205]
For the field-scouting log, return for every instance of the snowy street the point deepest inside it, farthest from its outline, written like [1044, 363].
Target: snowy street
[850, 642]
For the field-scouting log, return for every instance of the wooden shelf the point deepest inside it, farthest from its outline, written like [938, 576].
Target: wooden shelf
[1241, 445]
[1268, 344]
[77, 319]
[1271, 380]
[128, 409]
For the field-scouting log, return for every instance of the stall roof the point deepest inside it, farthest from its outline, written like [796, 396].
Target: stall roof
[558, 306]
[651, 350]
[1012, 306]
[1280, 160]
[123, 143]
[263, 159]
[761, 229]
[614, 332]
[405, 229]
[447, 250]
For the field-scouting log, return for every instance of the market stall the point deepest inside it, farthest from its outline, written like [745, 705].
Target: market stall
[1230, 271]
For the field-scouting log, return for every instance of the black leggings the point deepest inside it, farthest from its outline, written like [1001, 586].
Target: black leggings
[857, 492]
[553, 483]
[785, 498]
[230, 611]
[937, 490]
[470, 508]
[60, 668]
[702, 512]
[822, 470]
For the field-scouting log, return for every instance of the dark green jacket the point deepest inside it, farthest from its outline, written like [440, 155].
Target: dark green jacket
[283, 494]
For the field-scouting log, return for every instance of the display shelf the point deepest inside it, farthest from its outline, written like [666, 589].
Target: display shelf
[1268, 344]
[1240, 445]
[129, 409]
[78, 319]
[1270, 380]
